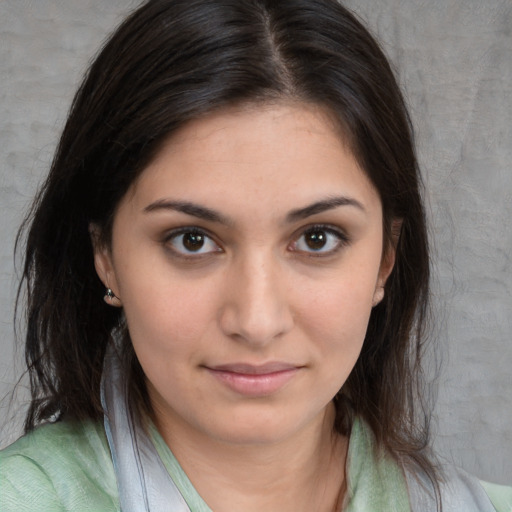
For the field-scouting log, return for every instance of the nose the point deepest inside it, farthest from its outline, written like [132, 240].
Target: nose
[255, 308]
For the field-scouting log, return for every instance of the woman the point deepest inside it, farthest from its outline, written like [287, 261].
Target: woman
[237, 180]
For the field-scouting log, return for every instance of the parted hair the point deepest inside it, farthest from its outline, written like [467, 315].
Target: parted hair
[172, 61]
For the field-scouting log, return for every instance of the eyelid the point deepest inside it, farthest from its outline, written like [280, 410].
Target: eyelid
[343, 238]
[174, 233]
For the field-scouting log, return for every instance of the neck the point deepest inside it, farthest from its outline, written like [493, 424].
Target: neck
[302, 473]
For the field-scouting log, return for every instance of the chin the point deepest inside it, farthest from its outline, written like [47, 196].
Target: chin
[260, 427]
[254, 435]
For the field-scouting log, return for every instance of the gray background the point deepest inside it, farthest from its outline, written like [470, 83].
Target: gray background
[454, 60]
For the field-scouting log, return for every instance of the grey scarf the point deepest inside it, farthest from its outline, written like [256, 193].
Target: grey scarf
[143, 482]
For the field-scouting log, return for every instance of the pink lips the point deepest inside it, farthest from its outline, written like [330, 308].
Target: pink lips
[254, 380]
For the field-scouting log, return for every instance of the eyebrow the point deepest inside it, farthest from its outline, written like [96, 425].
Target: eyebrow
[322, 206]
[195, 210]
[202, 212]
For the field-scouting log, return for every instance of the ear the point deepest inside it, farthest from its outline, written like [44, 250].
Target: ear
[388, 261]
[104, 266]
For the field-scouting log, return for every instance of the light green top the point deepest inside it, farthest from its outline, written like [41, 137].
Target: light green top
[67, 467]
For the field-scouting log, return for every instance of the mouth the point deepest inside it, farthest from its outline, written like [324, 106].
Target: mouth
[254, 380]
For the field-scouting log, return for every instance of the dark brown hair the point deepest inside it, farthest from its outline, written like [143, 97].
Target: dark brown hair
[173, 61]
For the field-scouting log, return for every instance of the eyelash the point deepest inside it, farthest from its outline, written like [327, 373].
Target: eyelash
[342, 240]
[194, 231]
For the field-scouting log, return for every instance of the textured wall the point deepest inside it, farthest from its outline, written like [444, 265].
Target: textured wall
[454, 59]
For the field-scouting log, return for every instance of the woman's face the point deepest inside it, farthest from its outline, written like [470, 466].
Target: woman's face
[247, 258]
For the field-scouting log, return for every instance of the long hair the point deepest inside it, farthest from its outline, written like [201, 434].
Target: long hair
[173, 61]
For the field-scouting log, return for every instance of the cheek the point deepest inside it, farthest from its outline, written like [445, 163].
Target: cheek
[166, 313]
[336, 317]
[340, 321]
[168, 335]
[342, 301]
[164, 307]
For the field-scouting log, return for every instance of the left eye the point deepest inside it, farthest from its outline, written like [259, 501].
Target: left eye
[319, 240]
[192, 242]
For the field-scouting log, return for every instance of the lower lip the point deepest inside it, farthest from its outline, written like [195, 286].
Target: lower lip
[255, 385]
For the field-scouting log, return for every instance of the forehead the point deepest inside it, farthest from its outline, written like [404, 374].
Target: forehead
[274, 156]
[270, 129]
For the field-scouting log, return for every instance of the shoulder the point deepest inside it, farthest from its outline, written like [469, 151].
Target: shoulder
[59, 466]
[458, 491]
[500, 496]
[463, 491]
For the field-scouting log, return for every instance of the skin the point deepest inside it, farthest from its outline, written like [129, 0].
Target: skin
[261, 280]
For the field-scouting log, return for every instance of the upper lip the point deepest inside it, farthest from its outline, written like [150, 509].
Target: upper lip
[255, 369]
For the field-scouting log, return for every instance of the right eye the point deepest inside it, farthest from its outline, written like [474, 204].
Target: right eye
[191, 242]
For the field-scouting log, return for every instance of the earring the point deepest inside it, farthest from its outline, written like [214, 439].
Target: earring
[378, 295]
[111, 298]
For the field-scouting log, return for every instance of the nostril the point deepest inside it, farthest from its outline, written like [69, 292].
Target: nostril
[255, 305]
[256, 322]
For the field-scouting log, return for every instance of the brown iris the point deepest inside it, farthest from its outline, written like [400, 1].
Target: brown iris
[316, 239]
[193, 241]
